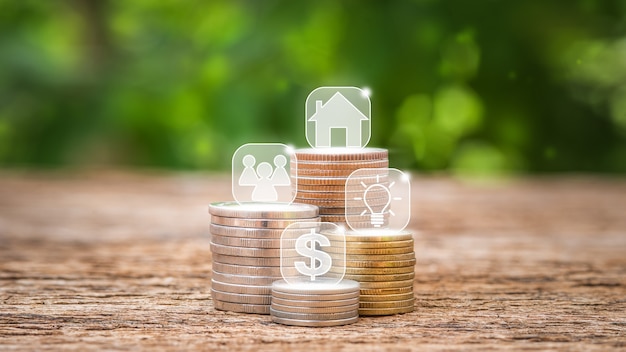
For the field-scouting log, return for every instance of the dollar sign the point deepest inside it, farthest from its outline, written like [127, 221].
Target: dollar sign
[302, 247]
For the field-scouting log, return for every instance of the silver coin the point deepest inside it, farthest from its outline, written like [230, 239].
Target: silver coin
[337, 297]
[244, 232]
[314, 310]
[244, 279]
[249, 261]
[314, 316]
[385, 311]
[247, 242]
[245, 252]
[388, 304]
[383, 298]
[242, 308]
[320, 286]
[246, 270]
[386, 284]
[259, 210]
[245, 289]
[314, 323]
[240, 298]
[315, 303]
[372, 278]
[258, 223]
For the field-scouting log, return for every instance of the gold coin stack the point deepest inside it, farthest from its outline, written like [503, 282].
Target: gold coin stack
[323, 302]
[383, 262]
[245, 246]
[320, 176]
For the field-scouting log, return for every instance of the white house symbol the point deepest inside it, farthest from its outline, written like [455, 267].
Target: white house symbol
[337, 113]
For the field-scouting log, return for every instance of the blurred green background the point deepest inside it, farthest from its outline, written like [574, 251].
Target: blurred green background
[473, 87]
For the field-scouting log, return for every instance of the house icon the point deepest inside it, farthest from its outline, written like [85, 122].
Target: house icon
[337, 113]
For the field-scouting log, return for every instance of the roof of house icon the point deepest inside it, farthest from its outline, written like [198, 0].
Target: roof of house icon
[337, 113]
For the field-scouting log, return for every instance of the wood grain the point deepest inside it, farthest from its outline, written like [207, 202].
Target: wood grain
[121, 261]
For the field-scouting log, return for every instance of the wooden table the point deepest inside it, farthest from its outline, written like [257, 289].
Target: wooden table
[117, 260]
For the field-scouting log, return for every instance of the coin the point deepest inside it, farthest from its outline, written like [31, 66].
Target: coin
[245, 252]
[323, 172]
[389, 304]
[371, 251]
[383, 298]
[385, 311]
[245, 289]
[340, 154]
[250, 261]
[246, 270]
[247, 242]
[327, 297]
[260, 210]
[353, 218]
[244, 232]
[392, 277]
[244, 279]
[369, 164]
[320, 286]
[333, 188]
[258, 223]
[376, 202]
[341, 195]
[379, 263]
[314, 316]
[315, 310]
[314, 323]
[378, 235]
[242, 308]
[379, 257]
[374, 244]
[334, 181]
[379, 271]
[386, 284]
[387, 291]
[240, 298]
[315, 303]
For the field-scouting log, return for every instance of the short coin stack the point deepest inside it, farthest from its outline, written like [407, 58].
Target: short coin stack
[383, 262]
[315, 303]
[245, 245]
[320, 175]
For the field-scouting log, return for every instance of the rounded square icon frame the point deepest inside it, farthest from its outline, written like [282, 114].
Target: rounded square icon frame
[353, 111]
[294, 232]
[286, 193]
[356, 178]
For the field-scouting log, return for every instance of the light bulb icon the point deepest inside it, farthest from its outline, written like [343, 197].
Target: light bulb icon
[371, 198]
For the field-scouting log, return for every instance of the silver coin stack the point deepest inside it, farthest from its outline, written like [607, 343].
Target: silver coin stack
[245, 246]
[320, 175]
[383, 262]
[315, 303]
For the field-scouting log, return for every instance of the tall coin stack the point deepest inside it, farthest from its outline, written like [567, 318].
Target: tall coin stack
[322, 173]
[383, 261]
[245, 246]
[317, 303]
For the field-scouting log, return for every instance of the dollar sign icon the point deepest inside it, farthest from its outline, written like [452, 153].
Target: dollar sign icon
[303, 248]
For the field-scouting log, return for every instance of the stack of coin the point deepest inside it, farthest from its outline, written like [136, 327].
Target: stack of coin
[383, 262]
[320, 175]
[315, 303]
[245, 246]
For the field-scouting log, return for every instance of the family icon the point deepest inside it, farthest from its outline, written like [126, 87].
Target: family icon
[265, 178]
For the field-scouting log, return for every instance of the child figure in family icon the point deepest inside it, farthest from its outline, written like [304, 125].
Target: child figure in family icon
[265, 178]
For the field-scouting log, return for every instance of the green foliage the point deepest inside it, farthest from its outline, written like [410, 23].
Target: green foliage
[476, 87]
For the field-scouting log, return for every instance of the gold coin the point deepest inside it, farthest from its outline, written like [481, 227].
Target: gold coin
[315, 310]
[385, 311]
[333, 188]
[342, 195]
[353, 165]
[340, 154]
[378, 235]
[379, 264]
[258, 223]
[242, 308]
[379, 257]
[371, 251]
[386, 291]
[389, 304]
[386, 284]
[385, 298]
[379, 271]
[372, 244]
[392, 277]
[334, 181]
[323, 172]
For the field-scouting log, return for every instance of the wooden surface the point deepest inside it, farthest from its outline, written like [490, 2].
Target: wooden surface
[121, 261]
